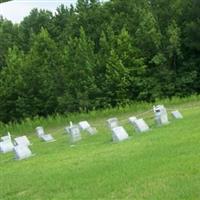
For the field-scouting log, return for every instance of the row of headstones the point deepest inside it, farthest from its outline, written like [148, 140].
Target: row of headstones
[20, 145]
[161, 118]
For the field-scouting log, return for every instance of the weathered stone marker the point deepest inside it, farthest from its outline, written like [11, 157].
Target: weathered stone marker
[22, 152]
[75, 134]
[6, 146]
[132, 119]
[177, 115]
[47, 138]
[22, 141]
[160, 113]
[113, 122]
[40, 131]
[140, 125]
[119, 134]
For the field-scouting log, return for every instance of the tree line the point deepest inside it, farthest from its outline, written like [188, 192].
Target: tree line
[96, 55]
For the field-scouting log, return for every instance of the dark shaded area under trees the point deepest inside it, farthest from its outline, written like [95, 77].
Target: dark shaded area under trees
[98, 55]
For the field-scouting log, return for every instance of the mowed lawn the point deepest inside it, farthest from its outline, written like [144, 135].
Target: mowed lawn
[163, 164]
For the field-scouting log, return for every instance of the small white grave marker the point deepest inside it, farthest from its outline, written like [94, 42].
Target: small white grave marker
[22, 152]
[84, 125]
[132, 119]
[6, 146]
[75, 134]
[23, 140]
[160, 115]
[177, 115]
[40, 131]
[140, 125]
[47, 138]
[6, 137]
[113, 122]
[119, 134]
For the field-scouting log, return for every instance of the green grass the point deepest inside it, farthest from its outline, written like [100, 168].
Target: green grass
[161, 164]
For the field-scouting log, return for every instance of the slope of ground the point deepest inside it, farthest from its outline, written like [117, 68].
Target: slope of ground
[161, 164]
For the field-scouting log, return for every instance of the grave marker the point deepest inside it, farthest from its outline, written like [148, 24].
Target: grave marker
[22, 152]
[113, 122]
[23, 140]
[75, 134]
[132, 119]
[160, 113]
[6, 146]
[91, 130]
[40, 131]
[140, 125]
[119, 134]
[84, 125]
[47, 138]
[177, 115]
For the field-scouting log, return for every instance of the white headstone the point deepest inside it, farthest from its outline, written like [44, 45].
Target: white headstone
[6, 146]
[75, 134]
[84, 125]
[91, 130]
[47, 138]
[40, 131]
[177, 115]
[160, 115]
[6, 137]
[140, 125]
[113, 122]
[119, 134]
[23, 140]
[22, 152]
[132, 119]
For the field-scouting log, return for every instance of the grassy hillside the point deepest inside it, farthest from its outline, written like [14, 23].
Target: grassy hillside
[161, 164]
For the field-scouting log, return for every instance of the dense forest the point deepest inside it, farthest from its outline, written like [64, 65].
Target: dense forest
[97, 55]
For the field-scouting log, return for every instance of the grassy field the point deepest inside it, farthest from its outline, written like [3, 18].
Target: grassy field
[163, 164]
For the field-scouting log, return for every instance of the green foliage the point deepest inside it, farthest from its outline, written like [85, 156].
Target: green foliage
[97, 55]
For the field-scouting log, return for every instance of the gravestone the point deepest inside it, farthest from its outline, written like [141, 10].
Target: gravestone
[177, 115]
[40, 131]
[7, 137]
[91, 130]
[84, 125]
[119, 134]
[23, 140]
[75, 134]
[113, 122]
[160, 113]
[6, 146]
[140, 125]
[132, 119]
[47, 138]
[22, 152]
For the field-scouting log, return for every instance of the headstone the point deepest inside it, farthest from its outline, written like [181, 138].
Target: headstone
[119, 134]
[160, 113]
[140, 125]
[23, 140]
[75, 134]
[47, 138]
[113, 122]
[132, 119]
[7, 137]
[84, 125]
[22, 152]
[6, 146]
[91, 130]
[40, 131]
[177, 115]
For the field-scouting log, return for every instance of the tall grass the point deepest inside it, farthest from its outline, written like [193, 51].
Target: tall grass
[28, 125]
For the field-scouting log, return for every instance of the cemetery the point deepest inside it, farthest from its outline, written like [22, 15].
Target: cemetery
[115, 138]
